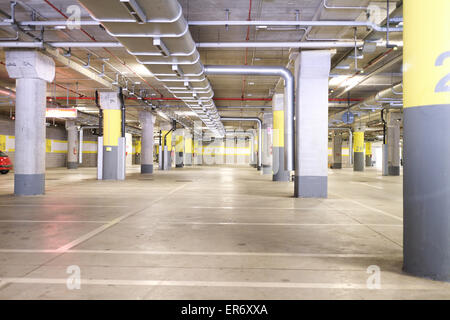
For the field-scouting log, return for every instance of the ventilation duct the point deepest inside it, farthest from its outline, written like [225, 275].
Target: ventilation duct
[156, 33]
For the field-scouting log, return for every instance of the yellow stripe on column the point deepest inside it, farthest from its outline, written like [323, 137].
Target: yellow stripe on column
[168, 139]
[112, 120]
[179, 145]
[426, 53]
[368, 148]
[2, 143]
[188, 145]
[138, 146]
[278, 128]
[358, 141]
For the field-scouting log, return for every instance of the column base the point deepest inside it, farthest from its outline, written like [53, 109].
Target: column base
[146, 168]
[29, 184]
[369, 161]
[188, 159]
[281, 176]
[393, 171]
[179, 158]
[359, 161]
[426, 192]
[72, 165]
[311, 186]
[266, 169]
[110, 163]
[336, 166]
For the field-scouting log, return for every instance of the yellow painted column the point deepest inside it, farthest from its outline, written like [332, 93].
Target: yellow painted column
[168, 140]
[278, 166]
[112, 120]
[278, 128]
[179, 151]
[358, 148]
[426, 138]
[188, 149]
[3, 143]
[368, 154]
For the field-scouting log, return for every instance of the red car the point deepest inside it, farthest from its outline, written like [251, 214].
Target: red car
[5, 163]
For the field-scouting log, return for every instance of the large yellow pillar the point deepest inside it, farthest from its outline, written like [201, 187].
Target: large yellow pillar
[426, 191]
[278, 165]
[358, 148]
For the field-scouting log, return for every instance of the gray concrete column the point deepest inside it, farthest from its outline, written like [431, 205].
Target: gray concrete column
[393, 142]
[166, 146]
[113, 143]
[138, 147]
[252, 161]
[426, 178]
[359, 161]
[198, 143]
[188, 148]
[267, 143]
[337, 150]
[147, 122]
[369, 162]
[32, 70]
[72, 144]
[312, 69]
[384, 159]
[179, 148]
[278, 165]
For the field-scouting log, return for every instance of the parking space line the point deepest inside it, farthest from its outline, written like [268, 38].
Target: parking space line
[370, 207]
[53, 221]
[232, 284]
[286, 224]
[210, 253]
[113, 222]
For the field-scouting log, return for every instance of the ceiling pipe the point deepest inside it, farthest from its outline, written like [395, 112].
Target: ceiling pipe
[244, 107]
[73, 44]
[7, 92]
[367, 24]
[268, 23]
[372, 100]
[278, 44]
[249, 44]
[259, 123]
[289, 96]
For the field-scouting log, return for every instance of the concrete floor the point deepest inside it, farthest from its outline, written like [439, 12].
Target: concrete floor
[205, 233]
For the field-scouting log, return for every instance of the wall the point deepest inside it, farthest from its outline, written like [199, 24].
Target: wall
[56, 145]
[345, 154]
[227, 151]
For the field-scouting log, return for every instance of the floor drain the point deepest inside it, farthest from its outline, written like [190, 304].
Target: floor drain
[183, 180]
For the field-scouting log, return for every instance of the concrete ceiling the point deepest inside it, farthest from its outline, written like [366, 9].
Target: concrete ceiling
[229, 91]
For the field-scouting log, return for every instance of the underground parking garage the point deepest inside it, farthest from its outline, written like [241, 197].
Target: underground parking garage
[225, 150]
